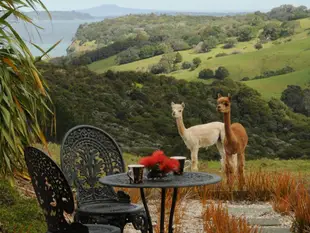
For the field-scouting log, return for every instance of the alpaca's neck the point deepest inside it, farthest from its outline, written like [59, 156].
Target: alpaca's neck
[227, 123]
[181, 127]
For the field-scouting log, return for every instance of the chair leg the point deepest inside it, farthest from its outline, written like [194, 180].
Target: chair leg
[140, 222]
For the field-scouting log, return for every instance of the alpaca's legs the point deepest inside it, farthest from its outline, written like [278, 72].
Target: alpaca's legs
[241, 178]
[229, 170]
[221, 150]
[194, 157]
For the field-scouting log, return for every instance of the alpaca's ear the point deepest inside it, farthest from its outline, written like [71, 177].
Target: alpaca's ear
[229, 96]
[219, 95]
[172, 103]
[183, 105]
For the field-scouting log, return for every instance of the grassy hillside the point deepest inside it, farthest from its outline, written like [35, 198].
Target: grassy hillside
[249, 64]
[274, 86]
[293, 51]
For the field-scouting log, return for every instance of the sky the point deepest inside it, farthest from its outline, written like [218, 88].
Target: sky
[177, 5]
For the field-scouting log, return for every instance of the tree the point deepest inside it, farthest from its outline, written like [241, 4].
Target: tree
[129, 55]
[206, 74]
[271, 31]
[221, 73]
[178, 58]
[245, 33]
[196, 61]
[179, 45]
[292, 96]
[147, 51]
[230, 43]
[209, 44]
[24, 101]
[186, 65]
[142, 36]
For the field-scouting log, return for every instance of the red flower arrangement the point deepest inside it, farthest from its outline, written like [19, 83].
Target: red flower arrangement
[159, 164]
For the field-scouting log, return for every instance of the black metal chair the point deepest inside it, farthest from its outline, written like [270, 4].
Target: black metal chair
[87, 154]
[54, 194]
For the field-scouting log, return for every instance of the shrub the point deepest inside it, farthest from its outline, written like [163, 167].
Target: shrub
[221, 55]
[258, 46]
[186, 65]
[158, 69]
[206, 74]
[19, 215]
[178, 58]
[230, 43]
[221, 73]
[245, 79]
[236, 52]
[196, 61]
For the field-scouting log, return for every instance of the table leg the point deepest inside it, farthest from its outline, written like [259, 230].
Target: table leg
[149, 219]
[162, 210]
[174, 201]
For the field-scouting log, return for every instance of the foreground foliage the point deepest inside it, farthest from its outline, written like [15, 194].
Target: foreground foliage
[23, 96]
[19, 214]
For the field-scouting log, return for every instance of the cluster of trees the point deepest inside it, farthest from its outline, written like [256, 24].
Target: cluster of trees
[144, 36]
[271, 73]
[171, 62]
[289, 12]
[220, 73]
[136, 37]
[274, 31]
[135, 108]
[297, 99]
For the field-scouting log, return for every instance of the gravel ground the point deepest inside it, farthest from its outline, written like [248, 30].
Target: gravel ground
[192, 221]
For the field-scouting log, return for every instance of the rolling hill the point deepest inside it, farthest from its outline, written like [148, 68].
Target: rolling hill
[112, 10]
[293, 51]
[274, 86]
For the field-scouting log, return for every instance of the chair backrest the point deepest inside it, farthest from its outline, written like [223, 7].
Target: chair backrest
[51, 187]
[87, 154]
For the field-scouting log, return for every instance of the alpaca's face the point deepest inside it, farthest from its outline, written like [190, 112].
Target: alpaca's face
[223, 104]
[177, 109]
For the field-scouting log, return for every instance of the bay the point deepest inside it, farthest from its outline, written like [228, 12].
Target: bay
[53, 31]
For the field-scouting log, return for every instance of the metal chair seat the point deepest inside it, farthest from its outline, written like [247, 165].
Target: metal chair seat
[102, 208]
[96, 228]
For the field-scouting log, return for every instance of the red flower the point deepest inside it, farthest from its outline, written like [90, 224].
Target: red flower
[158, 157]
[169, 165]
[148, 161]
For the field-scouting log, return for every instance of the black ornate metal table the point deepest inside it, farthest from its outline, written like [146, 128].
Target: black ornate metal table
[188, 179]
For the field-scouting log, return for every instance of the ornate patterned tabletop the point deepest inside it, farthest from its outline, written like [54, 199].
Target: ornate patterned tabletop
[188, 179]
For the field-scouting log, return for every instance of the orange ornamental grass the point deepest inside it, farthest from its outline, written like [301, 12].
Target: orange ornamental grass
[217, 220]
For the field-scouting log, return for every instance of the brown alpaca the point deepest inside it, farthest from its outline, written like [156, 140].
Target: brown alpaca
[236, 140]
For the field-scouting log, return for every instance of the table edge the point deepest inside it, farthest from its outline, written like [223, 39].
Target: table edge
[216, 179]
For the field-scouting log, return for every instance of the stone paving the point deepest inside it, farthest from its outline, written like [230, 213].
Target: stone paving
[260, 214]
[264, 216]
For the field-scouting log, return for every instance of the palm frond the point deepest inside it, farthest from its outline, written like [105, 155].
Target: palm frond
[25, 105]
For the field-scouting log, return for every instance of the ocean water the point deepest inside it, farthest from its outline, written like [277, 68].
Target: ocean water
[52, 32]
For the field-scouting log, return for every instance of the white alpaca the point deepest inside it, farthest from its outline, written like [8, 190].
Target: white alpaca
[199, 136]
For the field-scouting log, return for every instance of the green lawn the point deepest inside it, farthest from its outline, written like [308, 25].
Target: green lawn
[294, 166]
[274, 86]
